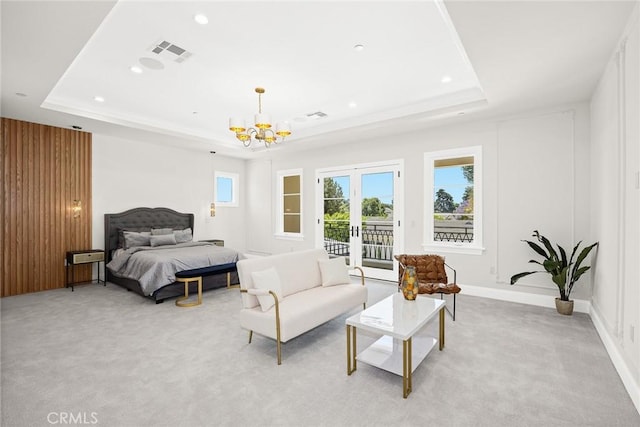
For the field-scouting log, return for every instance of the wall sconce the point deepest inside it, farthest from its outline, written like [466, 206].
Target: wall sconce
[212, 209]
[76, 208]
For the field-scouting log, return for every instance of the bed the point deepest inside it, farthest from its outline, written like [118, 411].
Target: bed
[182, 256]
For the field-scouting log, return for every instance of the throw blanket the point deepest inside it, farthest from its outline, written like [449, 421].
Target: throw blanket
[155, 267]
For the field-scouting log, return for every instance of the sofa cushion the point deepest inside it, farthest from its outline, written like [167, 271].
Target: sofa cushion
[303, 311]
[267, 280]
[297, 270]
[334, 271]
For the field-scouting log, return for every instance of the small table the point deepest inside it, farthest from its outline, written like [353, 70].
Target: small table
[217, 242]
[398, 320]
[88, 256]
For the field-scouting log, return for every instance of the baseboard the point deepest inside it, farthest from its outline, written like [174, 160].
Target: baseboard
[630, 383]
[579, 305]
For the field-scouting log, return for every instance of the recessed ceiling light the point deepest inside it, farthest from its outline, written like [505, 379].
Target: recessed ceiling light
[201, 19]
[446, 79]
[358, 48]
[76, 127]
[135, 69]
[352, 104]
[98, 99]
[21, 94]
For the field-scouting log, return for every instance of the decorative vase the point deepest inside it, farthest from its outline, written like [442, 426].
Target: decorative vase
[410, 283]
[564, 307]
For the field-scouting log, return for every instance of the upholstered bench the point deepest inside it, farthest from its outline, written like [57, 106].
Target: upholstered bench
[196, 275]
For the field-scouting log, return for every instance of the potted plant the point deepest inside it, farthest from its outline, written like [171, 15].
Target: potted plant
[564, 272]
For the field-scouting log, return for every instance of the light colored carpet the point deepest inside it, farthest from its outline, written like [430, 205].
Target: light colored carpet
[116, 358]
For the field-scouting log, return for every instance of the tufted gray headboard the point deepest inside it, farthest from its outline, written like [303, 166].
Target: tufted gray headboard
[139, 218]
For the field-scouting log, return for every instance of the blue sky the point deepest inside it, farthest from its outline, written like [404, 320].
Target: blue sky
[225, 188]
[452, 180]
[380, 185]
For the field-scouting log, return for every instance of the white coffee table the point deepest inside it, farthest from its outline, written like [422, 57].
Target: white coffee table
[398, 320]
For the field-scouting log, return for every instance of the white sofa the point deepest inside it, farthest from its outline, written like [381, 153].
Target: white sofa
[286, 295]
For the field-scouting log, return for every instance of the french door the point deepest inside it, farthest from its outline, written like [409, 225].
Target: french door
[359, 216]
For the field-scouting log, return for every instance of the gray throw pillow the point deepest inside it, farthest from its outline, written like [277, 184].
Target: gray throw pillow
[163, 240]
[133, 239]
[121, 242]
[183, 236]
[160, 231]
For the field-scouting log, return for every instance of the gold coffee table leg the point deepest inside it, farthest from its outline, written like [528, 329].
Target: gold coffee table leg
[406, 368]
[441, 335]
[351, 349]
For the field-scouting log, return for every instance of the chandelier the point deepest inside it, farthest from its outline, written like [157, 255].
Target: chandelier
[262, 131]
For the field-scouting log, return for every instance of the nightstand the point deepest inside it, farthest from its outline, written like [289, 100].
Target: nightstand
[88, 256]
[216, 242]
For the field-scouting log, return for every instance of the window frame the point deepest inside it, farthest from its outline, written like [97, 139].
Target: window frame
[234, 177]
[429, 244]
[280, 233]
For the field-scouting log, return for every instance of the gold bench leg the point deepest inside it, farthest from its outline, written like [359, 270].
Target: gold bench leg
[186, 282]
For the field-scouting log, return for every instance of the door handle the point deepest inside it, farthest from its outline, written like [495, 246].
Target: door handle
[357, 231]
[352, 231]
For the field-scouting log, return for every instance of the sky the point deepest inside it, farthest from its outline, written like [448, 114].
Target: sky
[452, 180]
[224, 187]
[380, 185]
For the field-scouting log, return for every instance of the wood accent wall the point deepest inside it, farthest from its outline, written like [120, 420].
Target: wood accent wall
[44, 169]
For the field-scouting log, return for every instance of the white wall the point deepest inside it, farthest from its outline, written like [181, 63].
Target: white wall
[129, 174]
[536, 173]
[615, 208]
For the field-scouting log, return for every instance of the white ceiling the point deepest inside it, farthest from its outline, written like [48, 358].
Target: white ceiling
[502, 58]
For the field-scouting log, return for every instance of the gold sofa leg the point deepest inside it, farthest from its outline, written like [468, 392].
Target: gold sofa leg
[279, 344]
[277, 308]
[364, 304]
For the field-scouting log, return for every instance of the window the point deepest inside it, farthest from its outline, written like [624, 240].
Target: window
[290, 204]
[226, 189]
[453, 211]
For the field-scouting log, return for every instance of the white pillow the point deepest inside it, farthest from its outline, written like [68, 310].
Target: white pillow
[334, 271]
[270, 281]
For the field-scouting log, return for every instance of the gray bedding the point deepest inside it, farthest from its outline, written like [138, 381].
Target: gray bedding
[155, 267]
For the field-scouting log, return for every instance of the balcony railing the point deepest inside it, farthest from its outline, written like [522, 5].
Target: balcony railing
[377, 237]
[377, 242]
[455, 228]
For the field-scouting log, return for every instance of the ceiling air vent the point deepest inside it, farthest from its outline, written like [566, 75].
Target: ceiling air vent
[170, 51]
